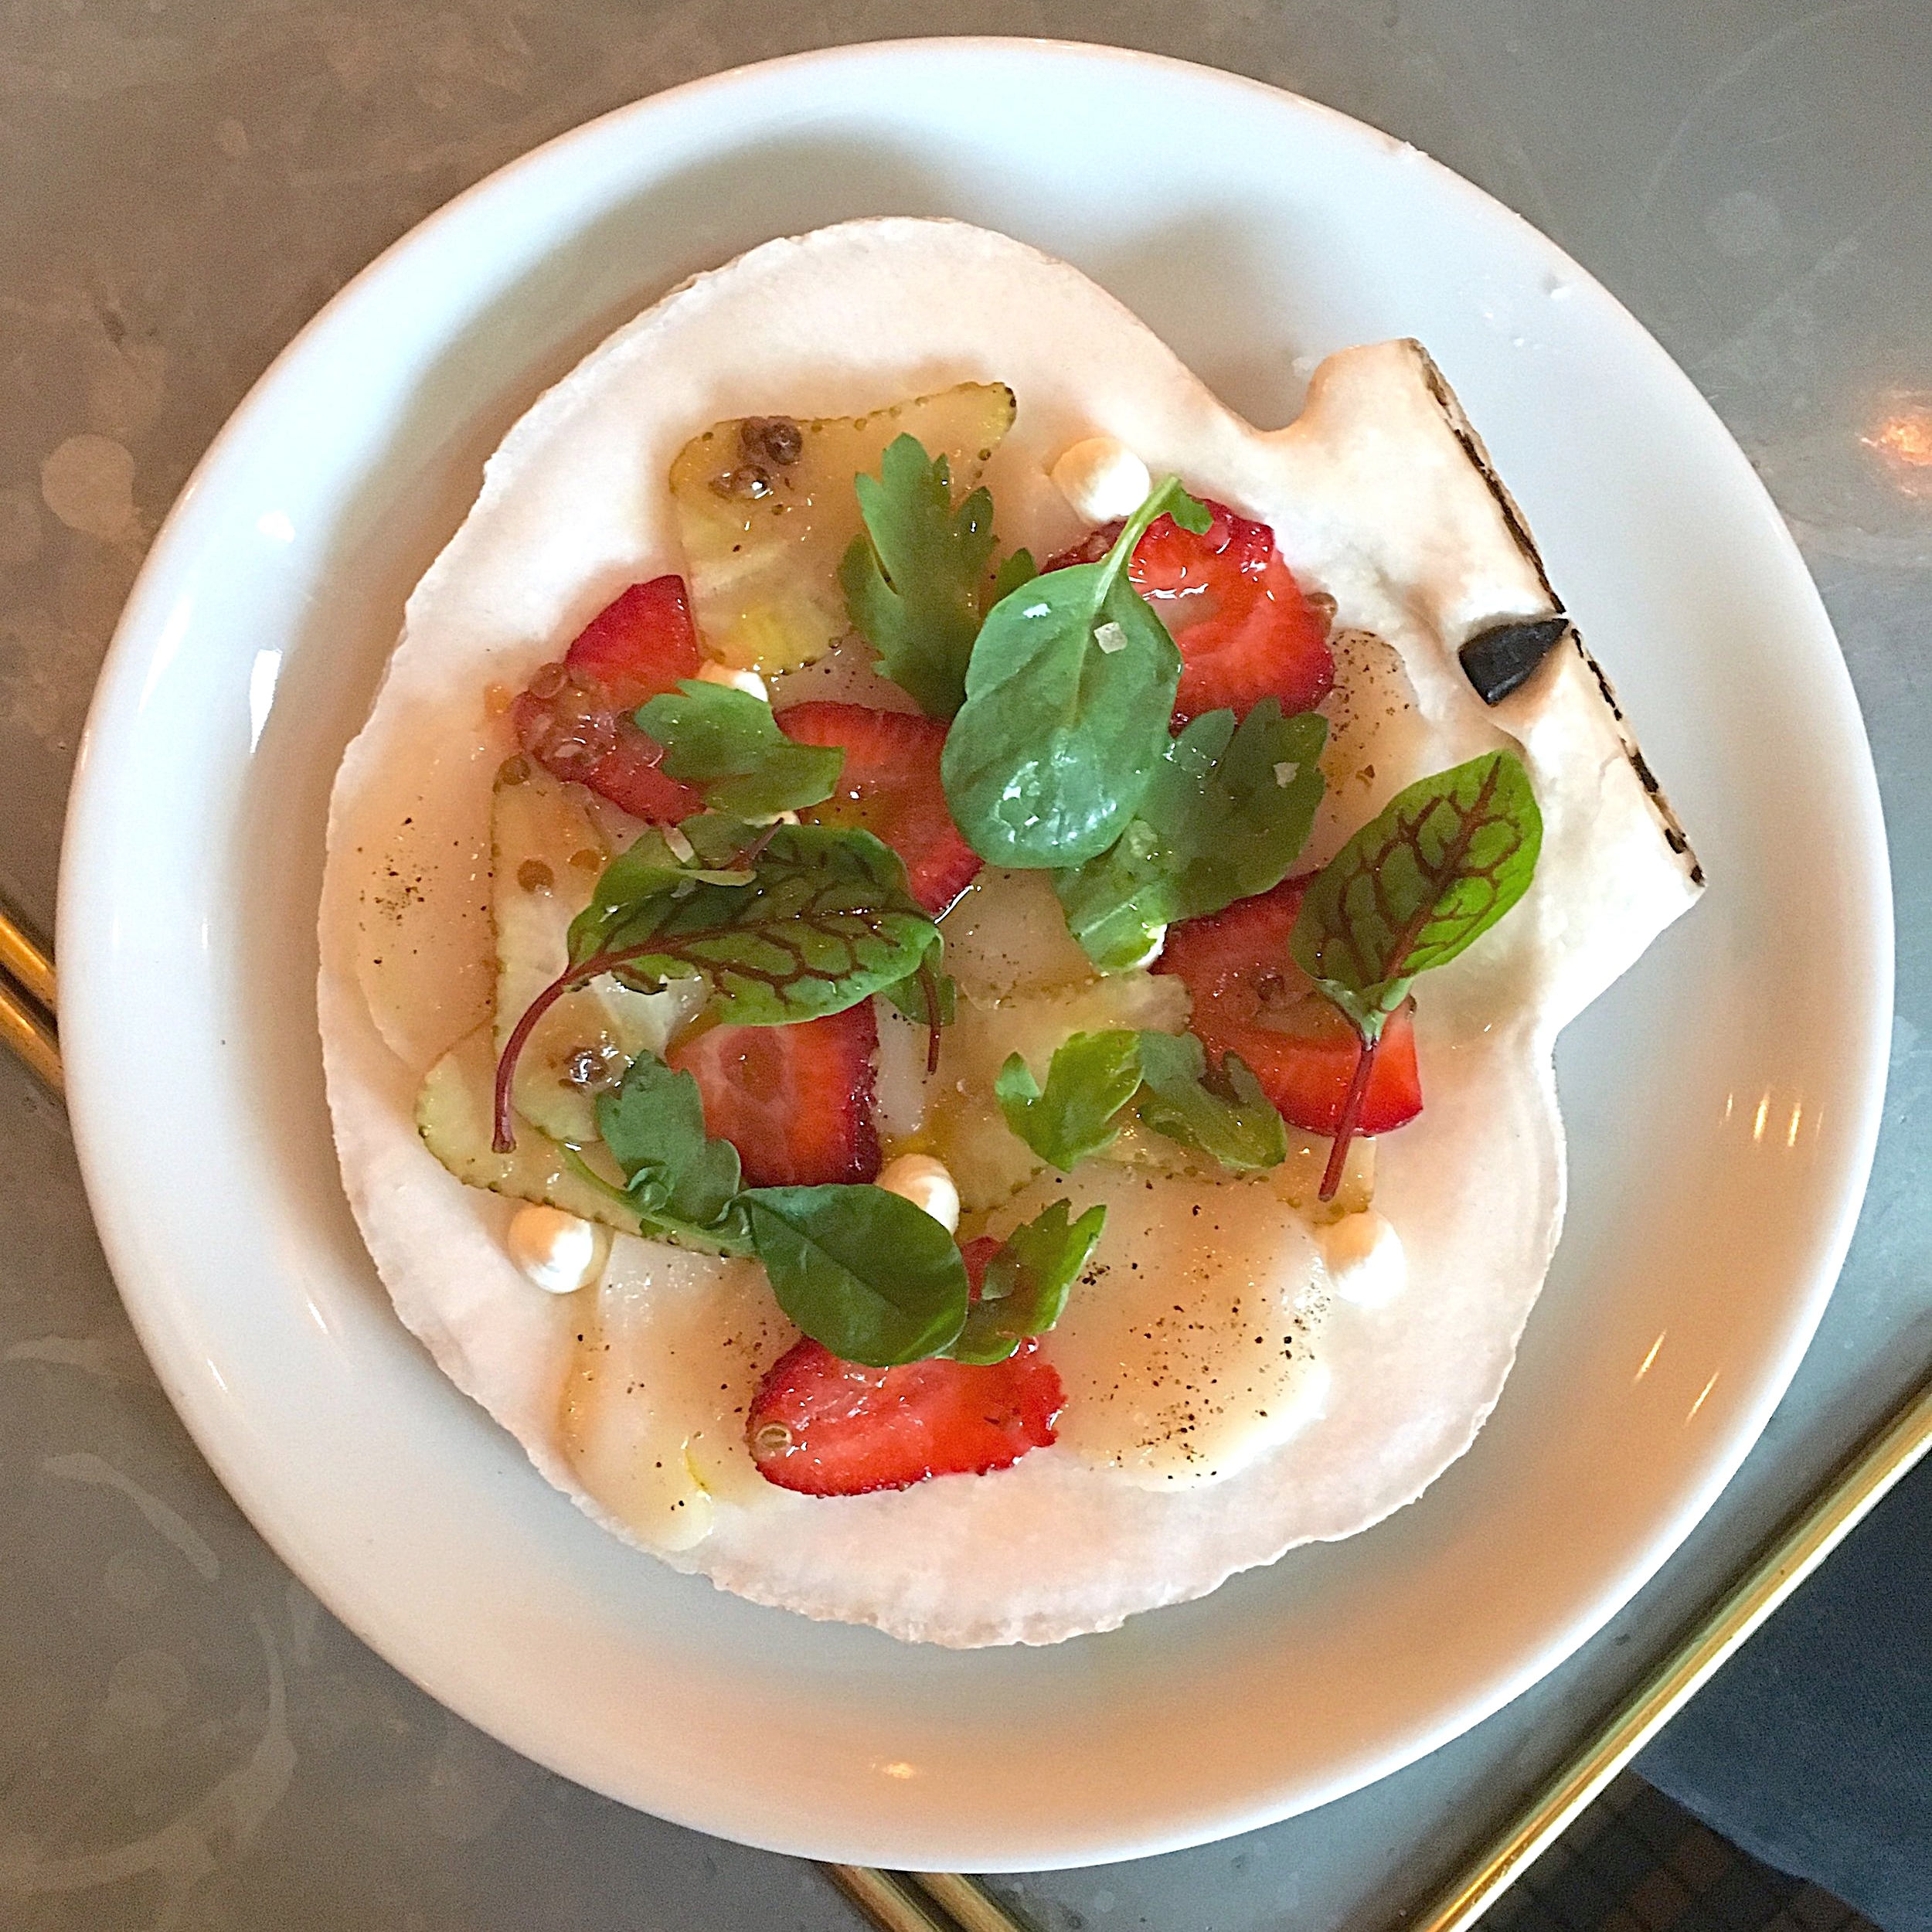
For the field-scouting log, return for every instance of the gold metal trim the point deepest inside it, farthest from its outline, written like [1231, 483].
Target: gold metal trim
[26, 1002]
[950, 1902]
[972, 1909]
[887, 1901]
[25, 960]
[1780, 1565]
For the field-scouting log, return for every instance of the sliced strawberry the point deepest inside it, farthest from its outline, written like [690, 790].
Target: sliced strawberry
[976, 1254]
[795, 1101]
[890, 787]
[575, 718]
[826, 1427]
[1245, 631]
[639, 644]
[574, 735]
[1251, 999]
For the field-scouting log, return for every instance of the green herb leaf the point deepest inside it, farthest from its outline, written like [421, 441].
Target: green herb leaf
[909, 997]
[915, 580]
[1091, 1078]
[1220, 1112]
[875, 1279]
[728, 742]
[1428, 876]
[653, 1124]
[820, 921]
[1027, 1282]
[1228, 810]
[1069, 692]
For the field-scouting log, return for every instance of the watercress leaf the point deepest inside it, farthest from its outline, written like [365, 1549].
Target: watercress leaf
[912, 579]
[728, 742]
[1068, 691]
[875, 1280]
[822, 920]
[1091, 1077]
[1220, 1112]
[1224, 817]
[1424, 879]
[1026, 1283]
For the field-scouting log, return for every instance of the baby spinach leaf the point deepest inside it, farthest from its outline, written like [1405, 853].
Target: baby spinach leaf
[728, 742]
[1227, 811]
[1091, 1078]
[1220, 1112]
[1027, 1282]
[1068, 691]
[1427, 877]
[875, 1279]
[915, 580]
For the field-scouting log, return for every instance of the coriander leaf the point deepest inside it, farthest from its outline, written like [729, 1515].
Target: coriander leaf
[1059, 735]
[1027, 1282]
[1091, 1078]
[1427, 877]
[654, 1125]
[728, 742]
[913, 579]
[875, 1280]
[1222, 1113]
[1225, 813]
[1013, 571]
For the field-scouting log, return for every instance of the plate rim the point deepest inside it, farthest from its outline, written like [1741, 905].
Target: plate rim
[156, 1317]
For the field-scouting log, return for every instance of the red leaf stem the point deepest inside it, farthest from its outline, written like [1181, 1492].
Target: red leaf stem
[1345, 1128]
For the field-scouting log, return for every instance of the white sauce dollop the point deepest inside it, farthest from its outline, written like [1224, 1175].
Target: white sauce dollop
[734, 679]
[1102, 479]
[927, 1184]
[1364, 1256]
[557, 1251]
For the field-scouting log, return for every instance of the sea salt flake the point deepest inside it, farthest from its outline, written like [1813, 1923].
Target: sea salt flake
[1288, 771]
[1111, 637]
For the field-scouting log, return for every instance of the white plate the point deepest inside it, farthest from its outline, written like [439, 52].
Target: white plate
[1723, 1099]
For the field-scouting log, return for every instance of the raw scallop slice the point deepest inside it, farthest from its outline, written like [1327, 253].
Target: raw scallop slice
[1382, 497]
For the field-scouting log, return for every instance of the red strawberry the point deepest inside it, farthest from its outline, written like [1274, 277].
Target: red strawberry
[640, 644]
[575, 718]
[890, 787]
[826, 1427]
[1245, 631]
[1251, 999]
[795, 1101]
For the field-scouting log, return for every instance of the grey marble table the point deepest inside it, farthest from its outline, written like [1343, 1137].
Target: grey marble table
[188, 1740]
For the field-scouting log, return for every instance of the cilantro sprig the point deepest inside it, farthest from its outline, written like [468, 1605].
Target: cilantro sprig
[1418, 884]
[1027, 1281]
[916, 579]
[1068, 691]
[1095, 1081]
[1227, 812]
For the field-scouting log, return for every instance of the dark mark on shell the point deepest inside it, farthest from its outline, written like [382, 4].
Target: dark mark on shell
[1499, 660]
